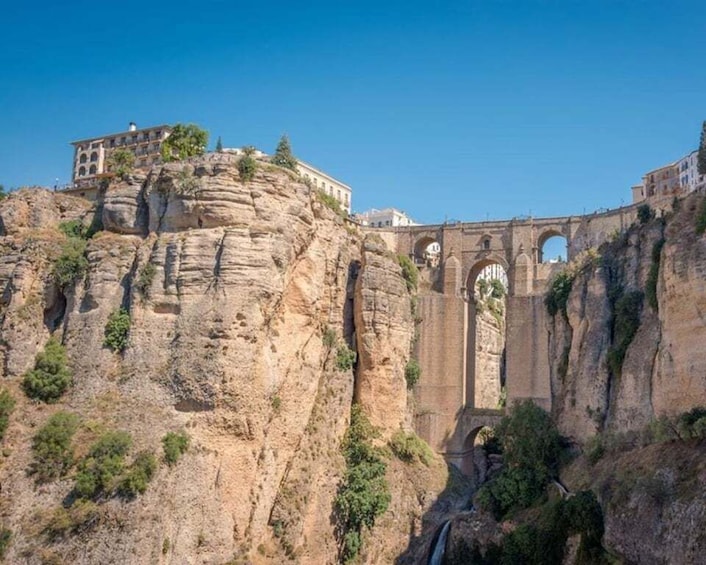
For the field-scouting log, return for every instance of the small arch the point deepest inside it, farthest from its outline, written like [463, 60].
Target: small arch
[82, 171]
[93, 170]
[552, 247]
[94, 157]
[479, 443]
[82, 158]
[427, 251]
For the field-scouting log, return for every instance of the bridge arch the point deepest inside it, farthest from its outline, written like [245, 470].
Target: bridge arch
[560, 243]
[478, 266]
[427, 248]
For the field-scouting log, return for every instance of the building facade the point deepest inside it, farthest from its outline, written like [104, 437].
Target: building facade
[680, 177]
[385, 218]
[320, 180]
[689, 177]
[91, 156]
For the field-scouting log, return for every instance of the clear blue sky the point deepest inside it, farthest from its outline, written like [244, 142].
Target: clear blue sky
[450, 110]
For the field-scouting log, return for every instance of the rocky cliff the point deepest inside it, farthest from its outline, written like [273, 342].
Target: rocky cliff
[240, 297]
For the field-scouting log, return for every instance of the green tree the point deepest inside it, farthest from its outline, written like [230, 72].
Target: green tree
[219, 145]
[50, 377]
[184, 141]
[121, 162]
[283, 154]
[7, 405]
[72, 264]
[117, 330]
[247, 164]
[701, 157]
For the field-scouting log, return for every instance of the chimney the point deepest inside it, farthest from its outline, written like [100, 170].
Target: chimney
[132, 126]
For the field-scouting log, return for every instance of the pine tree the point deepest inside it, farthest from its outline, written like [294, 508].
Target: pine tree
[701, 158]
[219, 145]
[283, 154]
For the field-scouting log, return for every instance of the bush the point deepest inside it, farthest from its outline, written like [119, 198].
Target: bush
[80, 516]
[345, 358]
[184, 141]
[121, 162]
[247, 165]
[74, 228]
[175, 445]
[329, 337]
[145, 278]
[100, 471]
[531, 448]
[410, 273]
[7, 405]
[138, 475]
[51, 445]
[364, 494]
[71, 264]
[653, 275]
[50, 377]
[412, 372]
[117, 330]
[409, 447]
[331, 202]
[691, 424]
[626, 321]
[645, 213]
[558, 295]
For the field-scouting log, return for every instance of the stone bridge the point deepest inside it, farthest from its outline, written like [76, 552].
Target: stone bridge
[447, 402]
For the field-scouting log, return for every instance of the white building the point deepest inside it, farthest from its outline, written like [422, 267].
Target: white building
[689, 176]
[331, 186]
[385, 218]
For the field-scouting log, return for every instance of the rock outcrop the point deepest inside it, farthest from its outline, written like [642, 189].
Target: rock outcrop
[230, 287]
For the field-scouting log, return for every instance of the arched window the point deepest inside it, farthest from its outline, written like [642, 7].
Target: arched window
[82, 172]
[93, 170]
[486, 243]
[82, 158]
[94, 157]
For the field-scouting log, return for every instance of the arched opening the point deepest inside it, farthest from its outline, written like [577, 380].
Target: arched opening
[92, 170]
[552, 248]
[82, 158]
[427, 252]
[82, 171]
[487, 311]
[480, 454]
[94, 157]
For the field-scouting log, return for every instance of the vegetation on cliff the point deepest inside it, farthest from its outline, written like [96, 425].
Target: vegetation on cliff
[283, 156]
[184, 141]
[364, 494]
[50, 377]
[7, 405]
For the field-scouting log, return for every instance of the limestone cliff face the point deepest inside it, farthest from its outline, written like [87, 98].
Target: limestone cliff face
[663, 369]
[225, 341]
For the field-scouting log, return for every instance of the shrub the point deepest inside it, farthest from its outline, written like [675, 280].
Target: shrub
[74, 228]
[175, 445]
[645, 213]
[364, 494]
[7, 405]
[345, 358]
[138, 475]
[51, 445]
[145, 278]
[558, 295]
[331, 202]
[80, 516]
[626, 321]
[121, 162]
[653, 275]
[102, 467]
[329, 337]
[247, 164]
[71, 264]
[117, 330]
[412, 372]
[283, 155]
[691, 424]
[409, 447]
[410, 273]
[50, 377]
[594, 449]
[184, 141]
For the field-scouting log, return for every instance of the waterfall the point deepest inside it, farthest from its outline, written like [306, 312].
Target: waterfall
[438, 547]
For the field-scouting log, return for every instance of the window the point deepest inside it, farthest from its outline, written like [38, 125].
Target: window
[134, 138]
[93, 170]
[95, 145]
[123, 140]
[339, 194]
[112, 142]
[94, 157]
[146, 136]
[82, 172]
[82, 158]
[486, 243]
